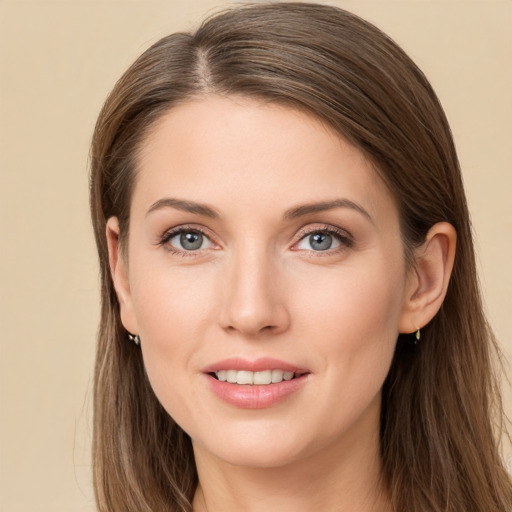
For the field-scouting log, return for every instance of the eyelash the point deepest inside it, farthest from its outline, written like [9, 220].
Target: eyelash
[343, 237]
[346, 240]
[169, 235]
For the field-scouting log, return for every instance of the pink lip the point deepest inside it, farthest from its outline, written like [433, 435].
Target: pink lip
[254, 396]
[259, 365]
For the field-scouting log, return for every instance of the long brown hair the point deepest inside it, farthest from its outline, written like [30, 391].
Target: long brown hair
[440, 402]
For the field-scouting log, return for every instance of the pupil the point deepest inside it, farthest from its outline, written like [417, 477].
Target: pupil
[320, 241]
[191, 241]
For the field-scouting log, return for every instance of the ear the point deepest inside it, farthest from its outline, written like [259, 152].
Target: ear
[428, 280]
[119, 272]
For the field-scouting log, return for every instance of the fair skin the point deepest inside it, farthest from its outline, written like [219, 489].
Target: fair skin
[257, 233]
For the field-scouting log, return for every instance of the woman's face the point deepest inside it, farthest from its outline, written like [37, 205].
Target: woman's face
[262, 246]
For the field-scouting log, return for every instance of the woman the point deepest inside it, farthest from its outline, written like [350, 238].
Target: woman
[291, 317]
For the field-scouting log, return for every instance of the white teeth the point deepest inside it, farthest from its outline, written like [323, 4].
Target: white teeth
[277, 375]
[258, 378]
[264, 377]
[244, 377]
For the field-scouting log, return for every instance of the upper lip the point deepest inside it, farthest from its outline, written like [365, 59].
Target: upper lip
[257, 365]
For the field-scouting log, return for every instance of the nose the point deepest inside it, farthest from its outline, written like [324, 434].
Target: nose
[254, 298]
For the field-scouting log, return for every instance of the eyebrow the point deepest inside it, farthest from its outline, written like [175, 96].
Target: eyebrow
[308, 209]
[186, 206]
[292, 213]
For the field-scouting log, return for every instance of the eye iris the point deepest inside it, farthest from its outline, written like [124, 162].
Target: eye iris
[320, 241]
[191, 241]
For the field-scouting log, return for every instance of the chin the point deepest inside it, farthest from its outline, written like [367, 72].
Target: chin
[255, 457]
[256, 447]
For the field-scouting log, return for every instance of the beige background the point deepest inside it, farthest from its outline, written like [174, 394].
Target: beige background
[58, 60]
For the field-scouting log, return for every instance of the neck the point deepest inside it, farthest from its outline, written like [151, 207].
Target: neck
[346, 476]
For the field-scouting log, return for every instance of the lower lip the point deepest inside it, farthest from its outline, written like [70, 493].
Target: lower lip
[248, 396]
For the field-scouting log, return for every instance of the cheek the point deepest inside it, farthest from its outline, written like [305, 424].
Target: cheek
[348, 323]
[172, 311]
[352, 318]
[172, 304]
[354, 300]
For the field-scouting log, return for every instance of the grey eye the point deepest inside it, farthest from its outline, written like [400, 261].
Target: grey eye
[319, 241]
[190, 241]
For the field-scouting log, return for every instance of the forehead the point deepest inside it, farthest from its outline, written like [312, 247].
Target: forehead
[222, 149]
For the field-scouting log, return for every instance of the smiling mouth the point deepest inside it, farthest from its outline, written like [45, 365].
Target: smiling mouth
[261, 378]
